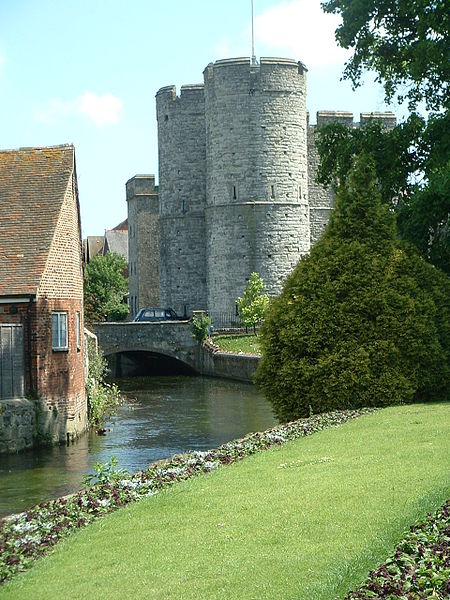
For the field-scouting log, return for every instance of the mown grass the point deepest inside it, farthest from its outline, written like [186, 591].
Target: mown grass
[245, 343]
[306, 520]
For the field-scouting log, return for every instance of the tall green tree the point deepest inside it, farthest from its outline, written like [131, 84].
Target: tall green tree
[422, 207]
[362, 321]
[105, 286]
[407, 44]
[253, 304]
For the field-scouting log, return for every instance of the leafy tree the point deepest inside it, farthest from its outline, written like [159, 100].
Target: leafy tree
[253, 304]
[201, 327]
[362, 321]
[394, 152]
[422, 208]
[104, 288]
[407, 44]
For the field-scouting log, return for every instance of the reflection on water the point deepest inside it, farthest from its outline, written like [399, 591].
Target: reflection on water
[165, 416]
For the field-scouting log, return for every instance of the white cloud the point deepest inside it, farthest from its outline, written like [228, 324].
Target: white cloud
[299, 29]
[101, 110]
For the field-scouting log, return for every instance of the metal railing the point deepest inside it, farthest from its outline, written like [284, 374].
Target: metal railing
[222, 321]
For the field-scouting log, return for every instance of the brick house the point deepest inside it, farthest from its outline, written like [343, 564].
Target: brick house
[41, 297]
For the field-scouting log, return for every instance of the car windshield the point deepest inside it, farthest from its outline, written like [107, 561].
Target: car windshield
[147, 314]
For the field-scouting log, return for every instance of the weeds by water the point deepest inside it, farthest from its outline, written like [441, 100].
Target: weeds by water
[103, 398]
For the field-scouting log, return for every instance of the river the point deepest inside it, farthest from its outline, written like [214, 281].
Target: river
[162, 416]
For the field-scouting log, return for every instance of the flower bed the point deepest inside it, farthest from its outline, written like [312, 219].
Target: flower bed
[420, 566]
[28, 535]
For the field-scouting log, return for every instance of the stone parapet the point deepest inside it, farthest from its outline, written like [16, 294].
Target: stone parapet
[141, 185]
[239, 367]
[388, 119]
[334, 116]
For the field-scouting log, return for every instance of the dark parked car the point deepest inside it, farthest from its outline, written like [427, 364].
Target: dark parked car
[157, 314]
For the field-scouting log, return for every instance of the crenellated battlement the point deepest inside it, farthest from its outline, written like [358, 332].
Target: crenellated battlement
[388, 119]
[346, 118]
[238, 192]
[169, 92]
[243, 66]
[141, 185]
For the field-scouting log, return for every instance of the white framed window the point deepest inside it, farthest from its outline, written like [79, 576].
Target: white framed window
[78, 330]
[59, 331]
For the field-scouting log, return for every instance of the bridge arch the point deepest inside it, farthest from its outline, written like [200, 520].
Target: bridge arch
[137, 363]
[170, 339]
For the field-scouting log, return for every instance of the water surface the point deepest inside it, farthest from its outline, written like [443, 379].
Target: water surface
[162, 416]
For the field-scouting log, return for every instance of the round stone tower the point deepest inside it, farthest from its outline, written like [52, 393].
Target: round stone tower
[257, 215]
[182, 181]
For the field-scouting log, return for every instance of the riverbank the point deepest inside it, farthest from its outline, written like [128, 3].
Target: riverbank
[231, 356]
[162, 416]
[307, 519]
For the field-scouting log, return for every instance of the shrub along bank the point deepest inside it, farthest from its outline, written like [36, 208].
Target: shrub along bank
[102, 397]
[307, 519]
[362, 321]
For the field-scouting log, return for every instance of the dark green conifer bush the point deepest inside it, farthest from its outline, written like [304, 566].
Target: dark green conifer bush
[362, 321]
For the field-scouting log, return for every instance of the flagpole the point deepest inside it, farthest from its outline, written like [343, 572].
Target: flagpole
[253, 38]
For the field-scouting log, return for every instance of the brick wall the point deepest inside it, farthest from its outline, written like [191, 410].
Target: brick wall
[63, 274]
[55, 377]
[61, 373]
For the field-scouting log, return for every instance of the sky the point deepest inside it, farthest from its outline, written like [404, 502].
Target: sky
[86, 72]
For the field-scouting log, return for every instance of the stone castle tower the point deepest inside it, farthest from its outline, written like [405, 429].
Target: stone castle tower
[237, 191]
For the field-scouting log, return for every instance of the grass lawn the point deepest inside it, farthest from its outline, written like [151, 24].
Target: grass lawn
[245, 343]
[306, 520]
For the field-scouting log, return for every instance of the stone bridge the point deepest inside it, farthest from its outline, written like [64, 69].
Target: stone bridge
[170, 339]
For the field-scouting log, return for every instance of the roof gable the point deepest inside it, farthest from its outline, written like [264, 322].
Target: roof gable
[33, 183]
[116, 241]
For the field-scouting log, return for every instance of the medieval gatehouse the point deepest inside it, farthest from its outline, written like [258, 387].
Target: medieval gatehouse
[237, 190]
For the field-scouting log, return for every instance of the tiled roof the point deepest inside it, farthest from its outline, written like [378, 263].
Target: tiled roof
[94, 245]
[33, 182]
[116, 241]
[123, 226]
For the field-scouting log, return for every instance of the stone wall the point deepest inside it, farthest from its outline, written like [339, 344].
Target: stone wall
[265, 237]
[143, 252]
[237, 169]
[321, 199]
[257, 211]
[229, 366]
[182, 198]
[17, 420]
